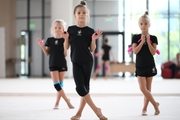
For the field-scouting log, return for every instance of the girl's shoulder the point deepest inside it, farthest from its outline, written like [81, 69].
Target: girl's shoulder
[89, 28]
[50, 38]
[136, 36]
[71, 28]
[153, 36]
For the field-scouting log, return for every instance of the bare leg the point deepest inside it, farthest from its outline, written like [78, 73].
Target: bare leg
[97, 110]
[57, 101]
[56, 76]
[61, 92]
[147, 94]
[79, 112]
[87, 99]
[107, 69]
[61, 77]
[97, 69]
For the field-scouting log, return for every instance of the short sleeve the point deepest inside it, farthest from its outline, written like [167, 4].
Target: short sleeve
[154, 40]
[47, 42]
[68, 30]
[92, 32]
[110, 47]
[134, 39]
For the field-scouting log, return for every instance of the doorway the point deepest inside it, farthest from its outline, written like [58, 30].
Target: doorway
[23, 53]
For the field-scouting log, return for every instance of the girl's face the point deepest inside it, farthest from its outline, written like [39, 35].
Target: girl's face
[81, 14]
[144, 24]
[57, 28]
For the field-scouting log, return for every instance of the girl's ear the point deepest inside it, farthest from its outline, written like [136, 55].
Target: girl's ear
[74, 17]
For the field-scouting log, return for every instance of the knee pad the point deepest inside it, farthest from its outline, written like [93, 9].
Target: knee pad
[57, 86]
[82, 91]
[98, 67]
[61, 83]
[106, 68]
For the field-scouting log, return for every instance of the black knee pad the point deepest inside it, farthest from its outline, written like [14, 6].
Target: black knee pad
[82, 91]
[57, 87]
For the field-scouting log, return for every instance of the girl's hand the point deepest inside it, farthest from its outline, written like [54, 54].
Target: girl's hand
[148, 38]
[97, 34]
[40, 42]
[65, 35]
[143, 37]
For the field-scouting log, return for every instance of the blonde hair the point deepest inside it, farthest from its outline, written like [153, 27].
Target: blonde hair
[83, 4]
[60, 21]
[145, 16]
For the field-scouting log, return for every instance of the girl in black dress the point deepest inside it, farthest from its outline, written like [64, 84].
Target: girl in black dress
[82, 41]
[106, 51]
[54, 47]
[144, 46]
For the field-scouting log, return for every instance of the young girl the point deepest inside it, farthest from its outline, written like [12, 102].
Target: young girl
[106, 51]
[54, 47]
[145, 65]
[82, 40]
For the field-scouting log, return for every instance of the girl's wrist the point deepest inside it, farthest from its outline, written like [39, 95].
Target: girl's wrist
[66, 39]
[93, 40]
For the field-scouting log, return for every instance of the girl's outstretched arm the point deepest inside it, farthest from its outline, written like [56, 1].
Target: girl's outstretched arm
[45, 49]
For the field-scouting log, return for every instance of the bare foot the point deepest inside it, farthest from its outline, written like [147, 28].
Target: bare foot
[100, 115]
[157, 112]
[56, 107]
[75, 117]
[144, 113]
[70, 105]
[103, 118]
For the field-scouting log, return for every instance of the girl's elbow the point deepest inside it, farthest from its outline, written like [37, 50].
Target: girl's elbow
[134, 52]
[67, 47]
[91, 50]
[65, 54]
[153, 52]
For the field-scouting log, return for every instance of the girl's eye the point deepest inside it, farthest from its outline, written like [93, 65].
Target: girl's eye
[79, 13]
[84, 12]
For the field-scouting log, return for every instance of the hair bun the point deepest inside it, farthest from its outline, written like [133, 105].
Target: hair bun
[146, 13]
[83, 2]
